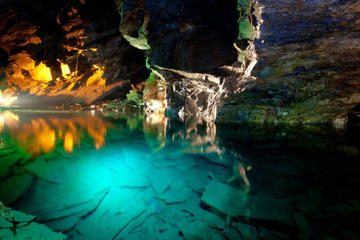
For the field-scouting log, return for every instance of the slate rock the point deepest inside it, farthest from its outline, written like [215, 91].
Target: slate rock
[232, 234]
[198, 230]
[247, 232]
[177, 193]
[55, 171]
[162, 179]
[116, 216]
[196, 179]
[14, 187]
[7, 160]
[31, 231]
[236, 203]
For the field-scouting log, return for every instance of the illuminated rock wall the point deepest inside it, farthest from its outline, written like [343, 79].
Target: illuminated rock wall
[190, 46]
[305, 56]
[70, 44]
[307, 70]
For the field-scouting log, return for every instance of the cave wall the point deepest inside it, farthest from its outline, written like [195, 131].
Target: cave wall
[184, 35]
[307, 71]
[187, 44]
[306, 55]
[93, 25]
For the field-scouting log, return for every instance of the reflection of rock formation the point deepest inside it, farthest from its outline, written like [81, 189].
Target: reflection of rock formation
[154, 127]
[9, 119]
[197, 137]
[41, 135]
[239, 170]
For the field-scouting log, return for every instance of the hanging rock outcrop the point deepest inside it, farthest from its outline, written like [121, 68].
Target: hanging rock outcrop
[187, 43]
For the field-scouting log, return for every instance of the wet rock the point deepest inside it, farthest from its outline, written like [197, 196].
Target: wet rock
[180, 162]
[8, 159]
[57, 170]
[163, 228]
[220, 159]
[201, 182]
[171, 233]
[247, 232]
[177, 193]
[68, 202]
[214, 221]
[136, 222]
[116, 217]
[127, 178]
[236, 203]
[14, 187]
[232, 234]
[198, 230]
[162, 179]
[27, 231]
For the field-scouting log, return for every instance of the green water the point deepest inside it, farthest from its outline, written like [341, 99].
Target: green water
[92, 176]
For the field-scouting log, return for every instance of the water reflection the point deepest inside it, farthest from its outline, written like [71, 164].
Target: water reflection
[240, 170]
[8, 118]
[155, 127]
[163, 169]
[38, 134]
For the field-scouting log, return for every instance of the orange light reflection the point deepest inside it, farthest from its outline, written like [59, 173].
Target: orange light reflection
[41, 135]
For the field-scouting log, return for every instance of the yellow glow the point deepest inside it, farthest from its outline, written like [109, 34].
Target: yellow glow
[68, 142]
[24, 75]
[65, 70]
[2, 123]
[96, 79]
[6, 100]
[40, 135]
[10, 115]
[9, 119]
[68, 88]
[41, 73]
[98, 134]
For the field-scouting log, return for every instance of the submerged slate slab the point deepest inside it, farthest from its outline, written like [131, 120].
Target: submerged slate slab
[14, 187]
[236, 203]
[118, 214]
[247, 232]
[32, 230]
[8, 159]
[162, 179]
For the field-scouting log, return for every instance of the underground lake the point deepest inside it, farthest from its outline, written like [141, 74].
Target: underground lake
[179, 120]
[116, 176]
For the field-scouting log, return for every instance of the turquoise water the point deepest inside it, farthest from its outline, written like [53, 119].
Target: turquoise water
[92, 176]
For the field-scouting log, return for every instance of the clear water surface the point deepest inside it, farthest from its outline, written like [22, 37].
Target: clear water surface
[96, 176]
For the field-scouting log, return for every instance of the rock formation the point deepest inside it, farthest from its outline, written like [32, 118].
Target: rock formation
[308, 53]
[190, 46]
[305, 56]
